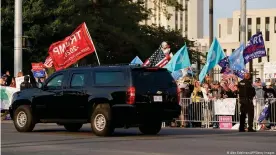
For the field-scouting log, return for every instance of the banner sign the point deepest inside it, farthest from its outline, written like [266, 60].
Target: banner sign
[269, 70]
[255, 49]
[225, 106]
[6, 96]
[225, 122]
[39, 74]
[48, 62]
[37, 66]
[74, 47]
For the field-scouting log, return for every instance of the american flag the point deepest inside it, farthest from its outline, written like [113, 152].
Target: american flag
[158, 59]
[48, 62]
[232, 86]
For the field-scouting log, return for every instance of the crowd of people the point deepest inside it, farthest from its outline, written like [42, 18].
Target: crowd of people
[210, 91]
[29, 80]
[7, 80]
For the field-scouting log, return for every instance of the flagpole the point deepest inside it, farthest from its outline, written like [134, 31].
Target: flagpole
[93, 44]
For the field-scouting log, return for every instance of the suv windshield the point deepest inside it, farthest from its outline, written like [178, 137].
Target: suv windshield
[144, 78]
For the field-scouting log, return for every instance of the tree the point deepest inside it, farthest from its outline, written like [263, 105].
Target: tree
[113, 24]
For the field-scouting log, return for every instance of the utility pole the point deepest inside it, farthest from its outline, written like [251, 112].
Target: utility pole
[211, 29]
[17, 36]
[243, 30]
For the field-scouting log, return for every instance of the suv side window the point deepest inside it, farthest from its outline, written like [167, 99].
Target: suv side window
[77, 80]
[56, 82]
[112, 78]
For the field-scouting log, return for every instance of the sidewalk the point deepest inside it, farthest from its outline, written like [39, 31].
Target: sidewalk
[7, 121]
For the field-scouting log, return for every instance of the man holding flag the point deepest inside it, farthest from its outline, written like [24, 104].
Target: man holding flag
[160, 57]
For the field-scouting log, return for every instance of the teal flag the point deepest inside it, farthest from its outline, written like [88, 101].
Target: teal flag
[215, 54]
[136, 61]
[179, 61]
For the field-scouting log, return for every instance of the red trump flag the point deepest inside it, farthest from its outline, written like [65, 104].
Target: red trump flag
[74, 47]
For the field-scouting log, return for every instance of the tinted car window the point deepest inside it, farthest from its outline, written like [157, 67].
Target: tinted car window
[110, 78]
[56, 82]
[146, 79]
[77, 80]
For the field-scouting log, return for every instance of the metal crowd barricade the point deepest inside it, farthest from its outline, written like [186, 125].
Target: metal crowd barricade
[265, 113]
[201, 113]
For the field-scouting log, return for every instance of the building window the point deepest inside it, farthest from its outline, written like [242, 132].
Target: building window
[219, 31]
[274, 24]
[186, 18]
[260, 59]
[258, 25]
[239, 29]
[249, 28]
[233, 50]
[155, 13]
[224, 50]
[267, 54]
[266, 28]
[176, 19]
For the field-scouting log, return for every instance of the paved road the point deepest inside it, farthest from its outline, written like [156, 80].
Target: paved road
[54, 140]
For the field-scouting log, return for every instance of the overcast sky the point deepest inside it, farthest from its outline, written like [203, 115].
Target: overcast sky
[225, 8]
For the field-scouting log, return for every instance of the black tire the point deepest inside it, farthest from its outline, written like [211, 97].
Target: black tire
[73, 127]
[102, 111]
[150, 128]
[29, 124]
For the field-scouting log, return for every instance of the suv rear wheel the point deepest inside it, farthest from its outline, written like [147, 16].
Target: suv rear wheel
[150, 128]
[23, 119]
[73, 127]
[101, 121]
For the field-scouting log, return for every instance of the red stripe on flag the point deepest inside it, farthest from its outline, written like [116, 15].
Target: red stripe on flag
[162, 63]
[146, 63]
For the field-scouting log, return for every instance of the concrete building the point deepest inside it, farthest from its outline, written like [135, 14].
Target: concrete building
[261, 20]
[189, 21]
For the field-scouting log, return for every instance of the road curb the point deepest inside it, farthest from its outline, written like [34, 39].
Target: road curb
[7, 121]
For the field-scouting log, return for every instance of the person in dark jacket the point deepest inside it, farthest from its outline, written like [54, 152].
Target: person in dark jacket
[246, 95]
[269, 96]
[25, 84]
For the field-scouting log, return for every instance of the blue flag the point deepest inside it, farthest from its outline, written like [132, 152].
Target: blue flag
[240, 73]
[255, 48]
[215, 54]
[177, 74]
[224, 64]
[179, 61]
[137, 61]
[236, 60]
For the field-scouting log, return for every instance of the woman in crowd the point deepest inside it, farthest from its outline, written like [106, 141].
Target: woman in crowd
[13, 84]
[19, 74]
[196, 107]
[207, 112]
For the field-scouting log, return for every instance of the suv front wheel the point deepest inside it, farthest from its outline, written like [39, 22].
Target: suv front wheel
[23, 119]
[101, 120]
[150, 128]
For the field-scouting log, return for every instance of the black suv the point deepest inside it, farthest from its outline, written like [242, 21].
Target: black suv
[108, 97]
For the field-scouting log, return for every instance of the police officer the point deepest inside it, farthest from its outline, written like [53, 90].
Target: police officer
[246, 95]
